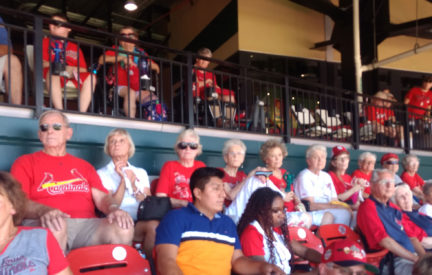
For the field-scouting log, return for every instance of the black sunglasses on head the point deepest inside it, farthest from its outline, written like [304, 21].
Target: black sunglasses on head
[184, 145]
[55, 126]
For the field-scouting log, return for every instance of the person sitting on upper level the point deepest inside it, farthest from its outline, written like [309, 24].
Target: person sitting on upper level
[133, 71]
[380, 118]
[61, 59]
[10, 67]
[206, 80]
[419, 99]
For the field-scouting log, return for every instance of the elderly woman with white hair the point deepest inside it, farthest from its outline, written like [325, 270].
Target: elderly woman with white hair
[416, 224]
[315, 187]
[410, 176]
[129, 185]
[233, 153]
[175, 174]
[366, 164]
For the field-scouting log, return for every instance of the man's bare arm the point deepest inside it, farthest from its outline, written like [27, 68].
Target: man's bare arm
[394, 247]
[166, 255]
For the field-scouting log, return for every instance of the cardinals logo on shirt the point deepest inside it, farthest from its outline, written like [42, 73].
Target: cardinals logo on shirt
[77, 183]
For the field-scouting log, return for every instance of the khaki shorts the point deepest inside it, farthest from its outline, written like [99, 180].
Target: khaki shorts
[80, 232]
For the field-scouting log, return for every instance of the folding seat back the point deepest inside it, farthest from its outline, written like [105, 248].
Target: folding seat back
[107, 259]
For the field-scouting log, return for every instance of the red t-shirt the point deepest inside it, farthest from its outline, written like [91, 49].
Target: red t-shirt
[63, 182]
[131, 74]
[252, 242]
[418, 98]
[343, 185]
[370, 223]
[72, 55]
[174, 179]
[203, 76]
[412, 181]
[412, 229]
[359, 174]
[232, 181]
[281, 184]
[377, 114]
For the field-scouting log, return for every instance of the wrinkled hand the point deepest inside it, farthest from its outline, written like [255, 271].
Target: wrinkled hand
[140, 196]
[122, 218]
[270, 269]
[119, 165]
[54, 220]
[263, 179]
[289, 196]
[132, 177]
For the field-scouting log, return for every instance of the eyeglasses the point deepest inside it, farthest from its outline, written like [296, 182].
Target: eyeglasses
[130, 34]
[184, 145]
[386, 181]
[391, 162]
[233, 154]
[55, 126]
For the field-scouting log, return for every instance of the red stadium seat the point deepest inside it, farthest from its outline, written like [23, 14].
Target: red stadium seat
[107, 259]
[333, 232]
[308, 239]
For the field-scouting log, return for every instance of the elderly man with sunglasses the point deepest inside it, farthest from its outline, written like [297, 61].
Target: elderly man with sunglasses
[380, 221]
[64, 190]
[130, 68]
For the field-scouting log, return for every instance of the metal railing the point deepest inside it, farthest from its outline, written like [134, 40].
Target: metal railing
[262, 102]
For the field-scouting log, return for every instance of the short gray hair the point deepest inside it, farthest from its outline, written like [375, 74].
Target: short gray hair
[375, 178]
[314, 148]
[229, 143]
[366, 155]
[122, 132]
[406, 159]
[188, 133]
[57, 112]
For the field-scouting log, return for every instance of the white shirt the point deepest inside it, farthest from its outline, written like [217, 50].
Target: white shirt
[111, 181]
[426, 209]
[320, 187]
[280, 251]
[237, 207]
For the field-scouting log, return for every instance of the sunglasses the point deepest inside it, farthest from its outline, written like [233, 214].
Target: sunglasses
[390, 162]
[184, 145]
[55, 126]
[129, 35]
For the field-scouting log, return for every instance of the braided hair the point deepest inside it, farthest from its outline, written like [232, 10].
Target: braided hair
[259, 208]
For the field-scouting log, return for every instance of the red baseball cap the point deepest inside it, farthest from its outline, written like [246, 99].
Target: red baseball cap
[388, 156]
[347, 253]
[337, 150]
